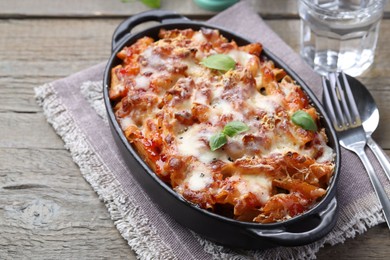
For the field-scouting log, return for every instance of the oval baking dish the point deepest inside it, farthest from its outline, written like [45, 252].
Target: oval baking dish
[299, 230]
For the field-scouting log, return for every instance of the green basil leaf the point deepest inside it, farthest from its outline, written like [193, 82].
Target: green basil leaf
[235, 127]
[217, 141]
[304, 120]
[151, 3]
[219, 62]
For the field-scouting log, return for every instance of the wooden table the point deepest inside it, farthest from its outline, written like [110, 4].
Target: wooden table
[47, 209]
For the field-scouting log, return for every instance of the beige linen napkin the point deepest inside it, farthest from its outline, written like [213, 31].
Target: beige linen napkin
[74, 107]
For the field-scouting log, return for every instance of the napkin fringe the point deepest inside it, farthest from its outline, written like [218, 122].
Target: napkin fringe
[128, 218]
[364, 217]
[92, 92]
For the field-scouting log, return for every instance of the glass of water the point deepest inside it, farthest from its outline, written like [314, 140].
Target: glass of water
[340, 34]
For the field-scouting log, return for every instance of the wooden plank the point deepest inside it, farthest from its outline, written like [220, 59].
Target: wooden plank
[47, 210]
[27, 130]
[116, 8]
[374, 244]
[34, 52]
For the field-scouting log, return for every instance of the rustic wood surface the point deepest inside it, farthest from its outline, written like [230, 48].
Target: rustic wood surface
[47, 209]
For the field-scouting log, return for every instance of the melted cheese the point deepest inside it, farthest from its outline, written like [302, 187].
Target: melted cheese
[223, 107]
[142, 82]
[199, 37]
[126, 122]
[327, 156]
[120, 87]
[240, 57]
[192, 143]
[199, 179]
[265, 103]
[258, 185]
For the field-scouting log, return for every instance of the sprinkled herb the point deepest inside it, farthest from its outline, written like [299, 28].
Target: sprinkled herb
[304, 120]
[235, 127]
[231, 129]
[150, 3]
[221, 62]
[217, 141]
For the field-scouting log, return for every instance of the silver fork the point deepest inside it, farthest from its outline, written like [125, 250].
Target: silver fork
[343, 112]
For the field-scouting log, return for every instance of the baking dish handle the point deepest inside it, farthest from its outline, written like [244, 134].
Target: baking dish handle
[128, 25]
[326, 220]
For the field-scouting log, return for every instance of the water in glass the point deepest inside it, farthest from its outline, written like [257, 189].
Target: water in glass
[340, 34]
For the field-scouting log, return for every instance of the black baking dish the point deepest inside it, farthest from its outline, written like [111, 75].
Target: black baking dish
[297, 231]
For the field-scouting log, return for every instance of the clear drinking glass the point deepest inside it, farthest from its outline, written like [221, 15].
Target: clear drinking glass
[340, 34]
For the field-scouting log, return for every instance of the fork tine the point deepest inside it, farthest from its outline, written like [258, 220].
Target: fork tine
[340, 120]
[344, 103]
[328, 102]
[355, 119]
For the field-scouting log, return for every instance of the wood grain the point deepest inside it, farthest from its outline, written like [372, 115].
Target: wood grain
[374, 244]
[34, 52]
[269, 9]
[47, 210]
[116, 8]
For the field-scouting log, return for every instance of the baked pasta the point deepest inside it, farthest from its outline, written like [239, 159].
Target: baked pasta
[222, 125]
